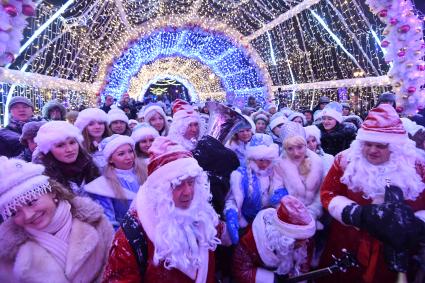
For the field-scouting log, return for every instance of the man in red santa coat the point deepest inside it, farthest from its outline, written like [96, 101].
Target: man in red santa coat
[277, 244]
[354, 193]
[174, 218]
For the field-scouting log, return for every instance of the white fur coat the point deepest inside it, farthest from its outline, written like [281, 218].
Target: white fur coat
[305, 188]
[24, 260]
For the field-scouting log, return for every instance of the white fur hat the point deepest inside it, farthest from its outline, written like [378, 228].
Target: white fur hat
[90, 114]
[21, 182]
[116, 114]
[333, 110]
[110, 144]
[261, 146]
[54, 132]
[314, 132]
[297, 114]
[143, 130]
[151, 109]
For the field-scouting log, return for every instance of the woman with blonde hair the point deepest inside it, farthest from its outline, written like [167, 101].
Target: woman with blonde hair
[121, 180]
[48, 234]
[240, 140]
[93, 124]
[299, 170]
[155, 116]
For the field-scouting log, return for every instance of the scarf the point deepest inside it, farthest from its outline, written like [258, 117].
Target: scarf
[17, 126]
[78, 171]
[55, 236]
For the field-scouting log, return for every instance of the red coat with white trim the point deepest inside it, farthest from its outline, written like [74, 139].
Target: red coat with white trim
[248, 267]
[122, 264]
[368, 250]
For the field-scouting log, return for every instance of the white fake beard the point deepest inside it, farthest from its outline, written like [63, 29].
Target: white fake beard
[361, 176]
[181, 234]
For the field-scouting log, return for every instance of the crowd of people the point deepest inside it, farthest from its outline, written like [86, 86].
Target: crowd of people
[117, 194]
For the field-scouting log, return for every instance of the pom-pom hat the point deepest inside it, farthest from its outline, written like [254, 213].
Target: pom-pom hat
[169, 161]
[143, 130]
[110, 144]
[21, 182]
[382, 125]
[261, 146]
[293, 219]
[90, 114]
[54, 132]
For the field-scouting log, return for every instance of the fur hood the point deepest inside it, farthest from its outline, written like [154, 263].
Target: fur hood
[13, 236]
[50, 105]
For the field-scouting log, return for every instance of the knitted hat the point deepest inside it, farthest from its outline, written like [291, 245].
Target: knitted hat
[29, 131]
[143, 130]
[297, 114]
[110, 144]
[324, 99]
[261, 146]
[169, 161]
[54, 132]
[90, 114]
[277, 120]
[20, 99]
[183, 110]
[314, 132]
[116, 114]
[49, 106]
[151, 109]
[293, 219]
[21, 182]
[382, 125]
[333, 110]
[291, 129]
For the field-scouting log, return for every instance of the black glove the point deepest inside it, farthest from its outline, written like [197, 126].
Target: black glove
[392, 223]
[280, 278]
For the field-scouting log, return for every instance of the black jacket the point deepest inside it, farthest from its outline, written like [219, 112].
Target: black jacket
[338, 139]
[218, 162]
[10, 146]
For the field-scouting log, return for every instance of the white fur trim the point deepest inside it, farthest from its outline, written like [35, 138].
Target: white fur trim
[296, 231]
[332, 113]
[173, 170]
[100, 186]
[420, 214]
[270, 152]
[54, 132]
[264, 276]
[313, 131]
[142, 132]
[117, 115]
[90, 114]
[337, 205]
[277, 121]
[372, 136]
[111, 146]
[149, 111]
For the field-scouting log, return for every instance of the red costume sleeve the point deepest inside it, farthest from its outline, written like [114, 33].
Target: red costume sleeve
[246, 259]
[122, 264]
[332, 185]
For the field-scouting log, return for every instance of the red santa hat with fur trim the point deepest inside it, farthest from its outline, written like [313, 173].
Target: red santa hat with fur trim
[382, 125]
[183, 110]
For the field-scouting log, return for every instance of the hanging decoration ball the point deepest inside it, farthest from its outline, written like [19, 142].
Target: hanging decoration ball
[385, 43]
[401, 53]
[393, 21]
[10, 10]
[383, 13]
[411, 89]
[28, 10]
[404, 29]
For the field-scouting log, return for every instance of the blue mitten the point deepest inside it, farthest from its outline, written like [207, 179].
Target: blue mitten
[277, 196]
[232, 223]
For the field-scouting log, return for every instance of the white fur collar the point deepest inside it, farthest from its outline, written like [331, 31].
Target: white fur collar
[100, 186]
[302, 187]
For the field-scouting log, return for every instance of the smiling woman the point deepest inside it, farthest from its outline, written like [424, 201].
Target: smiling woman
[48, 233]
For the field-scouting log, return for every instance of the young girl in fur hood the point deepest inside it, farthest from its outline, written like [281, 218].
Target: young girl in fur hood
[300, 170]
[48, 234]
